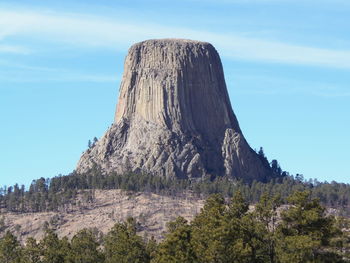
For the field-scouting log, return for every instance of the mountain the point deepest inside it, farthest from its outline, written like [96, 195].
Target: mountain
[174, 118]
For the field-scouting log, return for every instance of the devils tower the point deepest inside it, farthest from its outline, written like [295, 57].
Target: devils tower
[174, 117]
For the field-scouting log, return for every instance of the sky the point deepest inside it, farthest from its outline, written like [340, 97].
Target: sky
[286, 63]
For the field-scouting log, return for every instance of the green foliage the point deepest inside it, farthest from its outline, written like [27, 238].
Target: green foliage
[10, 249]
[53, 249]
[223, 232]
[231, 233]
[2, 224]
[305, 230]
[31, 252]
[341, 243]
[152, 248]
[177, 245]
[254, 230]
[59, 193]
[123, 245]
[85, 248]
[208, 229]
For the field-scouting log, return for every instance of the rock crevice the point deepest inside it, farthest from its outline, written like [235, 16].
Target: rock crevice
[174, 117]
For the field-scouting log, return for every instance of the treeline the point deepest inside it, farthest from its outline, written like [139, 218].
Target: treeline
[221, 232]
[41, 196]
[60, 192]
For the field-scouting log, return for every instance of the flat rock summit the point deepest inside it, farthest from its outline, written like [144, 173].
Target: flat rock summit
[174, 117]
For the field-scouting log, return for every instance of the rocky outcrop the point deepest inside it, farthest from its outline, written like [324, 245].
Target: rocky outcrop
[174, 117]
[152, 212]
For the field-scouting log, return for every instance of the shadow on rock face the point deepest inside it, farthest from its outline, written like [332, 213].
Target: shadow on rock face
[174, 117]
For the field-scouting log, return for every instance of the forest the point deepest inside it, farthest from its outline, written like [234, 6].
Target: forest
[61, 191]
[290, 222]
[224, 231]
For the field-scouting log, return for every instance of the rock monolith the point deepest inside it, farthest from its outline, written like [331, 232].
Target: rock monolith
[174, 117]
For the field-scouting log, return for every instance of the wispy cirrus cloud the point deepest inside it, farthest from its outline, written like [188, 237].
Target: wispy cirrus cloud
[95, 31]
[28, 73]
[275, 85]
[23, 77]
[14, 49]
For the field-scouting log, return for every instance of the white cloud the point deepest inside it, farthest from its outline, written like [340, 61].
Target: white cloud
[275, 85]
[82, 30]
[20, 77]
[262, 50]
[27, 73]
[14, 49]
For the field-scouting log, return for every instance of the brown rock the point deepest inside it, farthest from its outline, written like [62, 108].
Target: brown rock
[174, 117]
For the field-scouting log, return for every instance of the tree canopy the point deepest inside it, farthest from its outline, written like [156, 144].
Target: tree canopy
[224, 231]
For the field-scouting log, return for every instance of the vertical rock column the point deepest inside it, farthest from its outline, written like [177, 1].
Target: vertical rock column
[174, 117]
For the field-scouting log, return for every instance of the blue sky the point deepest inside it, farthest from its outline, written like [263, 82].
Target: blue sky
[286, 62]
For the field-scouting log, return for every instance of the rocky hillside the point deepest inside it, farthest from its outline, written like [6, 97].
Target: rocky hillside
[109, 206]
[152, 211]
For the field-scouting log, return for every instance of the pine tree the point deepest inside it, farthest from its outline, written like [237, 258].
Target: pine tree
[53, 249]
[177, 245]
[84, 248]
[123, 245]
[305, 231]
[31, 252]
[208, 229]
[10, 249]
[265, 223]
[152, 248]
[238, 230]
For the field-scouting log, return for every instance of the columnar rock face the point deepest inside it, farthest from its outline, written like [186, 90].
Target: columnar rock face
[174, 117]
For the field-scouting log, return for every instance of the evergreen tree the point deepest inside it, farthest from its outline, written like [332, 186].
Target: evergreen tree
[236, 238]
[221, 232]
[31, 252]
[95, 140]
[177, 245]
[53, 249]
[208, 229]
[10, 249]
[305, 231]
[123, 245]
[152, 248]
[84, 248]
[265, 223]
